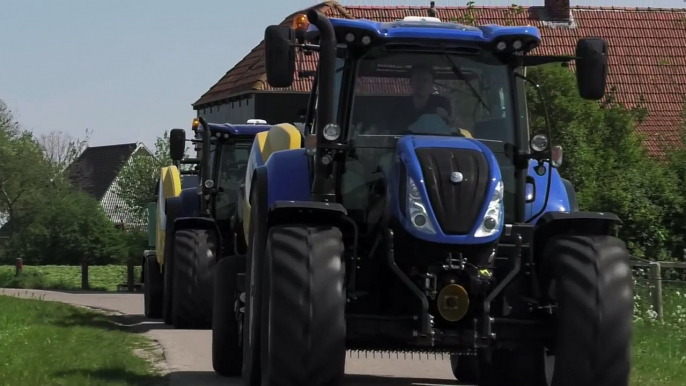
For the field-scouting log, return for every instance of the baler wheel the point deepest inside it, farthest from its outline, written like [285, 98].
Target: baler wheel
[227, 349]
[304, 317]
[154, 288]
[193, 270]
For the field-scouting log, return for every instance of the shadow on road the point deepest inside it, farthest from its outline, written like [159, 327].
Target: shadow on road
[128, 323]
[206, 378]
[364, 380]
[116, 375]
[92, 291]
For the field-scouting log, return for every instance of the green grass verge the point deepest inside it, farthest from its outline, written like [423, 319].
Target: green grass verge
[47, 343]
[659, 349]
[64, 277]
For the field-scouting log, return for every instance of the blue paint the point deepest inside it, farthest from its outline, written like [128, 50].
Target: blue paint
[558, 200]
[190, 202]
[406, 153]
[288, 176]
[433, 30]
[231, 129]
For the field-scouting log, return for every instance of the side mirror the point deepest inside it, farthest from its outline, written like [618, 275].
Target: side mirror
[591, 68]
[279, 49]
[177, 144]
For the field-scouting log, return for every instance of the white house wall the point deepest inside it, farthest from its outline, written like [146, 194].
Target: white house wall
[115, 207]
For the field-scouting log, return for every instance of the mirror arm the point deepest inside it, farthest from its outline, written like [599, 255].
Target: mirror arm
[307, 47]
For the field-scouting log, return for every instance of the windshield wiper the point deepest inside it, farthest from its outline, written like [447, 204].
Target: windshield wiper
[463, 78]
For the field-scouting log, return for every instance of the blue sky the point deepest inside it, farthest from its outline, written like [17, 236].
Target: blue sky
[128, 70]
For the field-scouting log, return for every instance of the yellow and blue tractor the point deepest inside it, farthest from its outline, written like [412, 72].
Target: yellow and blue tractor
[193, 221]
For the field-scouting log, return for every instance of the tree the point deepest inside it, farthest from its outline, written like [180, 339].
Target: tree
[46, 218]
[70, 226]
[23, 175]
[61, 149]
[606, 161]
[139, 178]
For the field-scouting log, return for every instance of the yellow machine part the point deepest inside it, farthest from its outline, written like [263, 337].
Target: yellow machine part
[279, 137]
[170, 186]
[453, 302]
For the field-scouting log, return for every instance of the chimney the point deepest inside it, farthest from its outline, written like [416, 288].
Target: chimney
[558, 10]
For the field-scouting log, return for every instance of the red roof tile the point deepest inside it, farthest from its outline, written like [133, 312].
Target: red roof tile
[646, 54]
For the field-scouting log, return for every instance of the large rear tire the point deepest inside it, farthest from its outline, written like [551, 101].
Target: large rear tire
[168, 264]
[227, 350]
[303, 328]
[193, 269]
[254, 272]
[590, 283]
[154, 288]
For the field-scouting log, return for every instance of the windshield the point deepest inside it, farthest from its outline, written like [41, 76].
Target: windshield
[400, 93]
[232, 164]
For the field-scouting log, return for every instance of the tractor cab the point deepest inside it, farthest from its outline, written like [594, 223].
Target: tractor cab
[222, 153]
[418, 84]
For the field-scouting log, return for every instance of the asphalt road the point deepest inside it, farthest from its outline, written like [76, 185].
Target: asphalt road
[188, 353]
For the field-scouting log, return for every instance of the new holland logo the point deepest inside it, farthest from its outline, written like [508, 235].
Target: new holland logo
[456, 177]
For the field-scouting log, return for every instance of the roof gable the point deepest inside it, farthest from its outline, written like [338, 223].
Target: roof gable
[97, 167]
[647, 66]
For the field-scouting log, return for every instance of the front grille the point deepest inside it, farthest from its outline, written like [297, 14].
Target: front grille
[456, 205]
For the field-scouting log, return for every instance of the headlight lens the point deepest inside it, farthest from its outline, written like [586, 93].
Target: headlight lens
[416, 208]
[493, 217]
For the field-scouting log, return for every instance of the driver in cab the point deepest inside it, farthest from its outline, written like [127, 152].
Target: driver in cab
[422, 101]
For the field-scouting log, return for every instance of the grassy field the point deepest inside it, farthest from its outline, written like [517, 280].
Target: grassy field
[45, 343]
[101, 278]
[660, 348]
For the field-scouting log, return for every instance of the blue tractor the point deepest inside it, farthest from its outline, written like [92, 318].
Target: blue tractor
[421, 215]
[196, 221]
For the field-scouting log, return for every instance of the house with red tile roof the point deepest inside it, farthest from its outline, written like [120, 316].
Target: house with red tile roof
[647, 60]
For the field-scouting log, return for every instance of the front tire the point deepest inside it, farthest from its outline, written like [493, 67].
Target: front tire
[227, 350]
[589, 278]
[594, 295]
[193, 270]
[305, 302]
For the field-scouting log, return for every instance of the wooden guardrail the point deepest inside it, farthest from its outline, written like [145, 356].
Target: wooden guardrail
[655, 278]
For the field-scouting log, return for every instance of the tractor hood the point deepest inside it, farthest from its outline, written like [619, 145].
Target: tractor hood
[453, 189]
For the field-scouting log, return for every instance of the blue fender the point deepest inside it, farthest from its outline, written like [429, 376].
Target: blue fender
[288, 176]
[558, 201]
[190, 202]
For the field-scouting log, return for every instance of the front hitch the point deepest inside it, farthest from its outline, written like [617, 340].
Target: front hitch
[487, 335]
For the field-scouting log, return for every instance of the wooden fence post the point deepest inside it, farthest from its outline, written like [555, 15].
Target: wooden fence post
[19, 266]
[84, 274]
[656, 279]
[129, 274]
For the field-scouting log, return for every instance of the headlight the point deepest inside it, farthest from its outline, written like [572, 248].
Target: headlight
[416, 208]
[493, 217]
